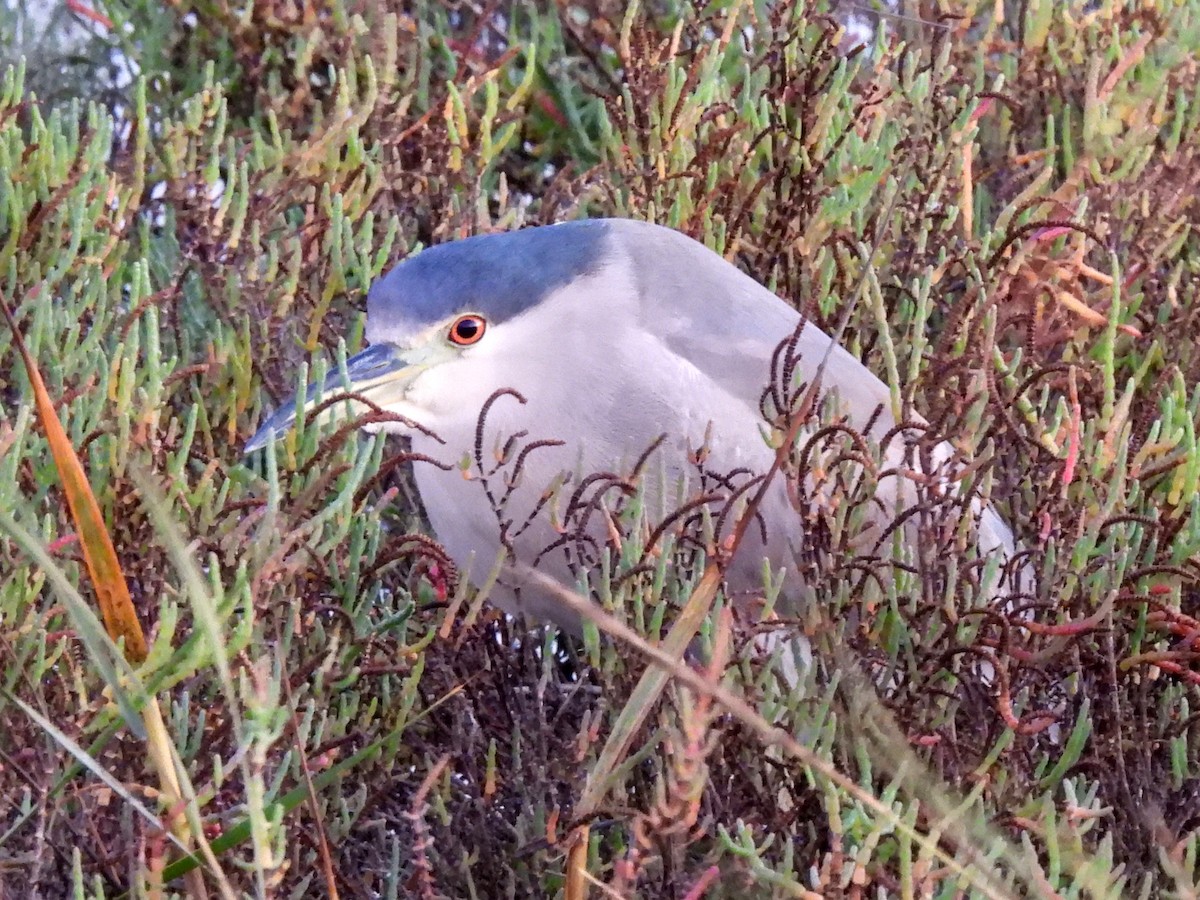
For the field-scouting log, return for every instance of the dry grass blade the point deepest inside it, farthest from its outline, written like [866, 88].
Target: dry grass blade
[209, 622]
[982, 873]
[687, 625]
[120, 678]
[174, 251]
[242, 831]
[112, 593]
[92, 765]
[641, 701]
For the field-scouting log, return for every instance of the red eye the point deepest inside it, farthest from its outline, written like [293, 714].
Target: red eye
[467, 330]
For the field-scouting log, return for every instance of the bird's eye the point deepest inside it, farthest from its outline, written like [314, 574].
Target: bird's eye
[467, 330]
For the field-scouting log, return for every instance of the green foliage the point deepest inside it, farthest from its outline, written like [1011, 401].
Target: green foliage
[190, 249]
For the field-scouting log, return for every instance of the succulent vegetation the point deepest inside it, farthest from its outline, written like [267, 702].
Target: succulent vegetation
[277, 685]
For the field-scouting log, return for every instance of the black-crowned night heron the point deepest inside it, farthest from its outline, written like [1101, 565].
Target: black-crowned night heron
[616, 333]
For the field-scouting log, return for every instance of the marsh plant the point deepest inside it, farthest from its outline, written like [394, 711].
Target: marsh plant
[279, 686]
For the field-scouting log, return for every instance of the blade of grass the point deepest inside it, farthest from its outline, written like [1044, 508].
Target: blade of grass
[106, 655]
[654, 680]
[942, 807]
[99, 554]
[240, 832]
[671, 668]
[204, 608]
[108, 581]
[90, 763]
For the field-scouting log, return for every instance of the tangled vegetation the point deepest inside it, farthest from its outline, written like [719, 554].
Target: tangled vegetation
[998, 198]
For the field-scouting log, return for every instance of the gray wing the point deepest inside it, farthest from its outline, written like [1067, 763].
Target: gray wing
[728, 325]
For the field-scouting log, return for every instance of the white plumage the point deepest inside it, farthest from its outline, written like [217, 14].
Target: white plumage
[615, 332]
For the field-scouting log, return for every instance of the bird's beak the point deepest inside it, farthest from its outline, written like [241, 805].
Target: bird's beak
[380, 373]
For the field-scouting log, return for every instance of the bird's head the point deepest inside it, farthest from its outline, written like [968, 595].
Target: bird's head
[452, 324]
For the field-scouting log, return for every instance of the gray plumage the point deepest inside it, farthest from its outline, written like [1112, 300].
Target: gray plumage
[502, 275]
[616, 332]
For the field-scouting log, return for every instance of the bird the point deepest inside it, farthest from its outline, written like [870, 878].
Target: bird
[594, 346]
